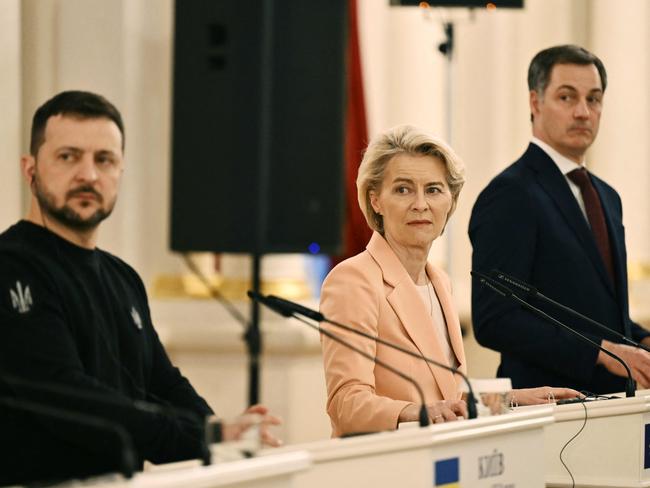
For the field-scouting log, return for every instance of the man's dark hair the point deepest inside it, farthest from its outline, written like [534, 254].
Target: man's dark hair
[539, 71]
[79, 104]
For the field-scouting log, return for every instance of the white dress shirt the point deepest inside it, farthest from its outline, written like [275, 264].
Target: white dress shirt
[432, 304]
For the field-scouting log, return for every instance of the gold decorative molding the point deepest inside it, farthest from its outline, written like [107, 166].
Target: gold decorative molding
[638, 271]
[189, 286]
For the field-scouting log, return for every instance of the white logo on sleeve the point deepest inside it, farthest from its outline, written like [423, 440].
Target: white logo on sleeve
[136, 318]
[21, 298]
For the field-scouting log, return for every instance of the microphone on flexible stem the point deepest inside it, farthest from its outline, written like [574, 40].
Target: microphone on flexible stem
[288, 308]
[533, 292]
[504, 291]
[276, 304]
[424, 414]
[127, 453]
[61, 395]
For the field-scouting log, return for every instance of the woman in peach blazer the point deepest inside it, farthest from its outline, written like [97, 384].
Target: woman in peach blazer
[373, 292]
[408, 187]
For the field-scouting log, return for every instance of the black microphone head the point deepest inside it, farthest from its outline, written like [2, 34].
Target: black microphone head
[269, 301]
[475, 274]
[292, 307]
[254, 295]
[478, 274]
[483, 278]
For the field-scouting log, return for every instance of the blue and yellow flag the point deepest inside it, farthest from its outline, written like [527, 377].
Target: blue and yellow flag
[447, 473]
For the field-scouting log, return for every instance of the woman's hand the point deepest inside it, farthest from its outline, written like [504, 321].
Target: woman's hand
[542, 394]
[439, 412]
[447, 410]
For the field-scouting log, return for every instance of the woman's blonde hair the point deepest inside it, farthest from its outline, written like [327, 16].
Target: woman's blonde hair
[403, 139]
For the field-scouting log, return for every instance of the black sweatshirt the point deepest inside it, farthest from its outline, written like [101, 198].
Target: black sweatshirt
[80, 318]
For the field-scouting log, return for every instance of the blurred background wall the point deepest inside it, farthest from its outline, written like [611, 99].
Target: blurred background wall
[123, 49]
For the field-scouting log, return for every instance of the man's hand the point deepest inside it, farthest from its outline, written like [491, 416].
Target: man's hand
[257, 415]
[637, 359]
[542, 394]
[267, 420]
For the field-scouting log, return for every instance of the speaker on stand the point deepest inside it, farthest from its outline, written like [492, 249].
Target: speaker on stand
[258, 132]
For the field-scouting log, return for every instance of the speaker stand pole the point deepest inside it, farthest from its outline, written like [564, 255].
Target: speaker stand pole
[253, 337]
[447, 48]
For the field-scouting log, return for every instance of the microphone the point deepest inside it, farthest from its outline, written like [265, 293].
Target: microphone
[504, 291]
[289, 309]
[286, 307]
[103, 407]
[278, 305]
[60, 417]
[533, 292]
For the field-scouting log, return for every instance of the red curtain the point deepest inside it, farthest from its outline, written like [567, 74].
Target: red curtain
[356, 232]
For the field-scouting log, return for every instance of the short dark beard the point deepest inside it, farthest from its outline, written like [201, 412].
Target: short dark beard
[66, 215]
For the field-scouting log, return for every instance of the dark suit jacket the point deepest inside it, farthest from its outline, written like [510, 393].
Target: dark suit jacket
[527, 223]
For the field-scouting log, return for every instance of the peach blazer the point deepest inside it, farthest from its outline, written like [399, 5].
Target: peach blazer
[373, 291]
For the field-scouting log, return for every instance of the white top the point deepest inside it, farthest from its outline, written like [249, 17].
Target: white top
[565, 165]
[432, 304]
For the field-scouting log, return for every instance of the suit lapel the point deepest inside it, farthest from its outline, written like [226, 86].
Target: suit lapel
[450, 313]
[555, 185]
[407, 305]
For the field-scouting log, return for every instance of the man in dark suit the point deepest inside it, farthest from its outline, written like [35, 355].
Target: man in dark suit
[549, 222]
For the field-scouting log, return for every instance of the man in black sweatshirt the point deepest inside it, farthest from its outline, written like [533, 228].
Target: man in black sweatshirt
[76, 319]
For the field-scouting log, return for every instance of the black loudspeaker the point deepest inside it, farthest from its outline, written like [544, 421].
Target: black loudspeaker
[258, 125]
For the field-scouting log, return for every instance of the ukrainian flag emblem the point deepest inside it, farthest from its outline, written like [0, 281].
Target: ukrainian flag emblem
[447, 473]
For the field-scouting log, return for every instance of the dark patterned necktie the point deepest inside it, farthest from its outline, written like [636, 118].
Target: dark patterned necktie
[595, 216]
